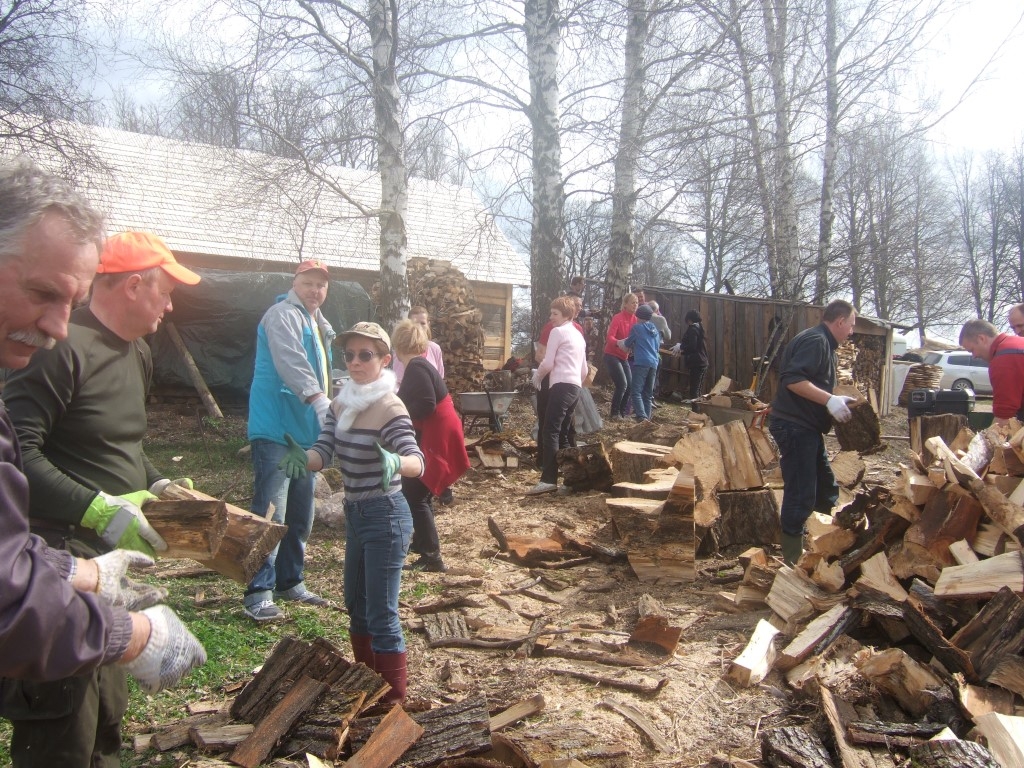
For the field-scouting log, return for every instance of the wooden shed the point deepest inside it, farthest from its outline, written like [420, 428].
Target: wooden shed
[738, 330]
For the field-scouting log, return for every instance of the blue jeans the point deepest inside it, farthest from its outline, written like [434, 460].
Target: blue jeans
[619, 370]
[377, 535]
[293, 506]
[641, 389]
[808, 482]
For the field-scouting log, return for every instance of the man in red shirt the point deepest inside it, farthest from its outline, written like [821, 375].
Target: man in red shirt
[1005, 356]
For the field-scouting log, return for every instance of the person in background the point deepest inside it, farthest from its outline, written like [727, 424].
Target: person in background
[643, 340]
[661, 323]
[694, 349]
[433, 353]
[62, 615]
[1016, 319]
[802, 413]
[616, 359]
[288, 395]
[434, 356]
[565, 362]
[1005, 356]
[568, 431]
[369, 432]
[439, 435]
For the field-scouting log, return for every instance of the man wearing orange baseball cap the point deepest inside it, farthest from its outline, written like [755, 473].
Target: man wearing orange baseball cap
[289, 395]
[80, 413]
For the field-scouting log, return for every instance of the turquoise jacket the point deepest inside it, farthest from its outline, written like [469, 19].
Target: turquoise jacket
[288, 370]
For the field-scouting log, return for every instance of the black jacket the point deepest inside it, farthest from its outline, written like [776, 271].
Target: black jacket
[694, 346]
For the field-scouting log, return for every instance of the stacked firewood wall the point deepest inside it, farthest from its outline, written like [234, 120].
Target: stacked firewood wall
[455, 321]
[861, 359]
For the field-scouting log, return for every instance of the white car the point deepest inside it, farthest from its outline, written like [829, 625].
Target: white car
[961, 371]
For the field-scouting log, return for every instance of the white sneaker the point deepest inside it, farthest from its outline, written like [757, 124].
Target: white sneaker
[263, 611]
[540, 488]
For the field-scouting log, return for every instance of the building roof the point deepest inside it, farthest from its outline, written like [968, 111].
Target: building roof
[211, 201]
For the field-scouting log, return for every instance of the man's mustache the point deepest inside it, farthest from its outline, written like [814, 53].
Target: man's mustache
[33, 339]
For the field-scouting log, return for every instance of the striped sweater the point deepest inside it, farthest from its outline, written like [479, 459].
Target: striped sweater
[386, 422]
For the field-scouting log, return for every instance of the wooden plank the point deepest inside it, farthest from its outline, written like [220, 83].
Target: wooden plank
[255, 749]
[220, 738]
[519, 711]
[962, 552]
[640, 721]
[982, 579]
[817, 636]
[390, 740]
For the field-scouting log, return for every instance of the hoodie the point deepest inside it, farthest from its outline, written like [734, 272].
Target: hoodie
[644, 339]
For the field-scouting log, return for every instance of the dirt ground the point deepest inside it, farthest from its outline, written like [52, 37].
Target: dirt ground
[699, 713]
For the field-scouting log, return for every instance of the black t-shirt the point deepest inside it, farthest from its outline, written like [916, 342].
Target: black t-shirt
[422, 388]
[810, 356]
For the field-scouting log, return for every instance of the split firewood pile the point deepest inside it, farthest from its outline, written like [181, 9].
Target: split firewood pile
[725, 394]
[920, 376]
[499, 450]
[904, 617]
[455, 320]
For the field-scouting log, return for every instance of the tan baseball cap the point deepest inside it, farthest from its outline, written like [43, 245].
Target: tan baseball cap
[367, 330]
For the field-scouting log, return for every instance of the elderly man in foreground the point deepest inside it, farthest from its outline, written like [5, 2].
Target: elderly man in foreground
[80, 414]
[1005, 356]
[61, 615]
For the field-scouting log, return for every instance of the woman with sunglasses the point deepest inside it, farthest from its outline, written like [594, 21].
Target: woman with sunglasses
[439, 433]
[369, 431]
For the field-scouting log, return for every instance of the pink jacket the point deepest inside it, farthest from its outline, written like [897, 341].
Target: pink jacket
[433, 356]
[566, 357]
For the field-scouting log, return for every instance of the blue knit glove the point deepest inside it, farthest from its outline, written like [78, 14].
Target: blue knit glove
[390, 463]
[295, 462]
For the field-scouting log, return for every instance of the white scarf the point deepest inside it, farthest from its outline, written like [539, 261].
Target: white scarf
[356, 398]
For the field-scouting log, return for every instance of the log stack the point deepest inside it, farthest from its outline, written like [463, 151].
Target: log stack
[939, 575]
[920, 376]
[455, 320]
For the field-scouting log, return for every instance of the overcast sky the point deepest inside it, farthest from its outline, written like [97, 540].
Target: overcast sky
[992, 116]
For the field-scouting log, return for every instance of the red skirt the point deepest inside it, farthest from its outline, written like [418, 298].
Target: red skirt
[443, 447]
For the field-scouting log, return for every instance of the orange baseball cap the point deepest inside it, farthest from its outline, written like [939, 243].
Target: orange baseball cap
[310, 265]
[138, 251]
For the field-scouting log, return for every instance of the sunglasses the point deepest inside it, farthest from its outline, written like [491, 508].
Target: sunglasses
[364, 355]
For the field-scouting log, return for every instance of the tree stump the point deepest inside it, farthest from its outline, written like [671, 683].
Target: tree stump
[586, 468]
[630, 460]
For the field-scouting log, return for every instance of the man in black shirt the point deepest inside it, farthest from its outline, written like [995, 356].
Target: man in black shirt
[802, 414]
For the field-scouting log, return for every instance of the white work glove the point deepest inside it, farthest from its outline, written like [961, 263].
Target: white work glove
[158, 487]
[621, 343]
[321, 405]
[171, 653]
[536, 381]
[677, 349]
[838, 407]
[115, 586]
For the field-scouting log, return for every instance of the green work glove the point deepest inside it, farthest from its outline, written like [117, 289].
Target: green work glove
[120, 523]
[389, 465]
[158, 487]
[295, 462]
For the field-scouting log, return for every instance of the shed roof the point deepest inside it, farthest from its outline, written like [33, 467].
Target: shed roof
[258, 208]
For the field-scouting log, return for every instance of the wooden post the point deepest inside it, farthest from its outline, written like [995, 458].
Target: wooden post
[193, 372]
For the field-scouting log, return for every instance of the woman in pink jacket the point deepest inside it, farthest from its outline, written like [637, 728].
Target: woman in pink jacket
[616, 360]
[565, 363]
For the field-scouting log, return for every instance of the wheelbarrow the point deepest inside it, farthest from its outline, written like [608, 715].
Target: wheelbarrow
[492, 406]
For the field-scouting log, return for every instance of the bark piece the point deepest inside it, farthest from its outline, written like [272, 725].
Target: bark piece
[178, 734]
[950, 515]
[793, 747]
[863, 431]
[438, 626]
[247, 540]
[952, 754]
[892, 734]
[928, 635]
[640, 721]
[839, 714]
[461, 729]
[638, 684]
[586, 467]
[996, 631]
[630, 460]
[395, 733]
[756, 660]
[276, 723]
